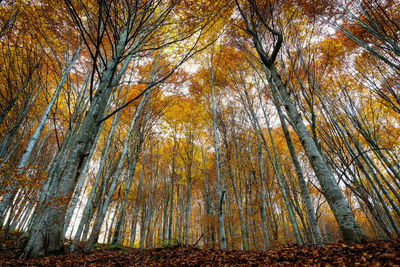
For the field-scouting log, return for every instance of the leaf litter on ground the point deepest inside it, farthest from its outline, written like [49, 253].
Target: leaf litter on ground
[375, 253]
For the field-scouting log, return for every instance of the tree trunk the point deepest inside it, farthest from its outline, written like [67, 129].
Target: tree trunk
[171, 209]
[305, 194]
[102, 212]
[47, 235]
[137, 202]
[84, 220]
[351, 231]
[220, 195]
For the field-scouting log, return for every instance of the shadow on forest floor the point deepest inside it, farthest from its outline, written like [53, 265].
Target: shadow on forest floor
[377, 253]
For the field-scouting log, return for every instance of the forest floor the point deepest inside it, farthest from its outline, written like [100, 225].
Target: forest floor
[377, 253]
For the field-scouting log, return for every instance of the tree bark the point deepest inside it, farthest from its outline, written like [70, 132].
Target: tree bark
[351, 231]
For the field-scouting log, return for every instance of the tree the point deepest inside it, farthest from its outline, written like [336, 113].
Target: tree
[253, 19]
[130, 29]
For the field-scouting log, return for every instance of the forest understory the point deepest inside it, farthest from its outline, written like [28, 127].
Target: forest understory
[376, 253]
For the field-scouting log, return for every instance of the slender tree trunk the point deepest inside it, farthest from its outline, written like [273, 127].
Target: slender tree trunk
[305, 194]
[46, 236]
[171, 209]
[148, 211]
[220, 195]
[244, 225]
[84, 220]
[188, 195]
[208, 210]
[274, 161]
[121, 215]
[137, 144]
[228, 213]
[102, 212]
[137, 202]
[166, 197]
[239, 203]
[263, 196]
[351, 231]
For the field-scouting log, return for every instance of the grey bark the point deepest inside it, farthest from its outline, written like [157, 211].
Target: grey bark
[351, 231]
[137, 144]
[305, 194]
[188, 207]
[137, 202]
[171, 207]
[166, 197]
[148, 209]
[208, 210]
[50, 220]
[221, 227]
[131, 172]
[84, 219]
[274, 161]
[102, 212]
[82, 177]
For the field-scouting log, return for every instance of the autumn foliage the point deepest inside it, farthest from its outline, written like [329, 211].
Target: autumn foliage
[240, 125]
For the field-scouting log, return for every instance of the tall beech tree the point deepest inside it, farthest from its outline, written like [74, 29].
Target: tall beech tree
[130, 29]
[255, 21]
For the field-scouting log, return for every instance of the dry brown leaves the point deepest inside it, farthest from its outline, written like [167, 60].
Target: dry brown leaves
[382, 253]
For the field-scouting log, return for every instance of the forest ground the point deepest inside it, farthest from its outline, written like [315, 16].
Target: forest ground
[376, 253]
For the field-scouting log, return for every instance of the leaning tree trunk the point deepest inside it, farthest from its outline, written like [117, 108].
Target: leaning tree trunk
[47, 235]
[88, 207]
[351, 231]
[239, 204]
[188, 207]
[82, 177]
[349, 228]
[138, 141]
[305, 194]
[137, 202]
[274, 162]
[23, 162]
[131, 172]
[102, 212]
